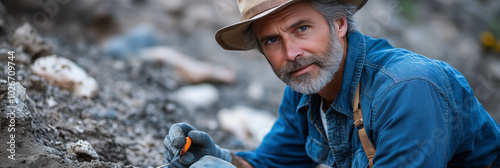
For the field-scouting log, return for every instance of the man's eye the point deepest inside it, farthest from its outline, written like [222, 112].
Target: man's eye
[303, 28]
[271, 40]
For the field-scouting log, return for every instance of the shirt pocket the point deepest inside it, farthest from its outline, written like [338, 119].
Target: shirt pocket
[360, 160]
[318, 151]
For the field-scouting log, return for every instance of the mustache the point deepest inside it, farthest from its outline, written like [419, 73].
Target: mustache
[292, 66]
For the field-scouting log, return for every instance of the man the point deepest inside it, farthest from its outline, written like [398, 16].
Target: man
[416, 111]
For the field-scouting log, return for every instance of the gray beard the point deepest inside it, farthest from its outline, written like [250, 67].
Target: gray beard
[328, 64]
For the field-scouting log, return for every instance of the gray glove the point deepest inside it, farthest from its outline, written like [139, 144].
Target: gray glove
[201, 145]
[210, 162]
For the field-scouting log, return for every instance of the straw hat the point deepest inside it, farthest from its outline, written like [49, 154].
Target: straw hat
[231, 37]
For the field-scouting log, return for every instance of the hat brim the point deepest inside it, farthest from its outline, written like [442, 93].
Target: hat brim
[231, 37]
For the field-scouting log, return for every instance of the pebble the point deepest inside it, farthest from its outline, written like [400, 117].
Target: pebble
[82, 150]
[51, 102]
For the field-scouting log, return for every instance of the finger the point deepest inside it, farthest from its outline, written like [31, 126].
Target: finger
[187, 159]
[168, 146]
[167, 156]
[200, 138]
[178, 133]
[177, 163]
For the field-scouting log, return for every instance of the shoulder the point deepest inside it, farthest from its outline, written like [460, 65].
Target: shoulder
[393, 66]
[398, 63]
[401, 76]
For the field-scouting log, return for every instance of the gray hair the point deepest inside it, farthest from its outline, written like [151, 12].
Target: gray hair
[330, 9]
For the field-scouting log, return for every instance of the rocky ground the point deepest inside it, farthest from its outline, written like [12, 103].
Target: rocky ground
[139, 98]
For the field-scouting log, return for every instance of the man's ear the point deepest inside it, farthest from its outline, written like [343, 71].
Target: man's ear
[341, 27]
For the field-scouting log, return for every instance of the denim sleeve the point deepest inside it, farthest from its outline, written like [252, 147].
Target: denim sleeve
[284, 145]
[410, 126]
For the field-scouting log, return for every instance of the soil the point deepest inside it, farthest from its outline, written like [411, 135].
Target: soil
[129, 117]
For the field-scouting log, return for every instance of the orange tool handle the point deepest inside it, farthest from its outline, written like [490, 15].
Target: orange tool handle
[186, 146]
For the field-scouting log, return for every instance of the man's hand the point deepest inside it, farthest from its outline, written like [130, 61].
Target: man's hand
[210, 162]
[201, 145]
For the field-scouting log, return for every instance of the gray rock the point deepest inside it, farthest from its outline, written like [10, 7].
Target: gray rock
[82, 150]
[30, 41]
[15, 100]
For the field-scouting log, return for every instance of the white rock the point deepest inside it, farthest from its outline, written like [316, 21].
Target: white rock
[255, 91]
[189, 69]
[82, 150]
[51, 102]
[197, 96]
[66, 74]
[248, 124]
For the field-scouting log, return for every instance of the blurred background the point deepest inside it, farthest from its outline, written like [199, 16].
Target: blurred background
[156, 63]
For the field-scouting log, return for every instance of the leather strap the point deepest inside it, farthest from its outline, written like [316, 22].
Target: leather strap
[358, 123]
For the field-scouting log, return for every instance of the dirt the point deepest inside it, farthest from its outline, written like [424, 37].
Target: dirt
[125, 122]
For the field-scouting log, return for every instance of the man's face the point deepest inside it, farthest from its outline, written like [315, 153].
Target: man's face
[299, 46]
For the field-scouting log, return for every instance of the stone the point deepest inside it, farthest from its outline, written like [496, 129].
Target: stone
[197, 96]
[190, 70]
[51, 102]
[16, 102]
[30, 41]
[248, 124]
[66, 74]
[82, 150]
[255, 91]
[129, 43]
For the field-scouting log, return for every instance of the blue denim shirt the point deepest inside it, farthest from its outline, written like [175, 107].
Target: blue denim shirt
[418, 112]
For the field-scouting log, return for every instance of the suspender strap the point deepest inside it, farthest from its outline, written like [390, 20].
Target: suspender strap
[358, 123]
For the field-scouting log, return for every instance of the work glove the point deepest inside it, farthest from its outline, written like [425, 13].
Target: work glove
[211, 162]
[201, 145]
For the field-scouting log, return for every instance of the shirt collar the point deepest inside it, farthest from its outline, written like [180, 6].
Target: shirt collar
[355, 58]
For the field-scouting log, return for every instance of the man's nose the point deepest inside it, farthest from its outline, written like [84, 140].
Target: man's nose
[292, 50]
